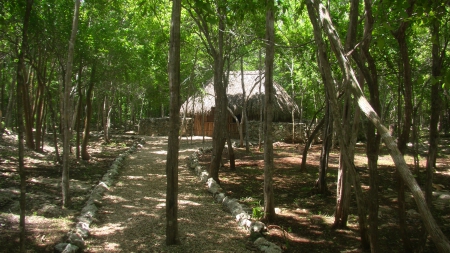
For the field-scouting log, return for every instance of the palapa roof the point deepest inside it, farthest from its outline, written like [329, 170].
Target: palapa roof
[283, 103]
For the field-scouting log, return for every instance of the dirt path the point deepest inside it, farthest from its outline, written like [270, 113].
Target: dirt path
[132, 215]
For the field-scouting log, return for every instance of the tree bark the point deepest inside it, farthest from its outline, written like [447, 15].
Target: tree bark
[269, 199]
[373, 139]
[231, 155]
[106, 118]
[66, 114]
[20, 89]
[87, 125]
[441, 241]
[174, 121]
[404, 134]
[321, 183]
[308, 143]
[220, 112]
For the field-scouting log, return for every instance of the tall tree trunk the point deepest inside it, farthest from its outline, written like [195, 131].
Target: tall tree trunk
[435, 101]
[20, 89]
[343, 186]
[78, 118]
[404, 135]
[66, 114]
[87, 121]
[441, 241]
[321, 183]
[105, 115]
[373, 139]
[437, 57]
[55, 133]
[269, 199]
[244, 120]
[174, 121]
[314, 9]
[220, 112]
[27, 111]
[244, 107]
[261, 105]
[39, 109]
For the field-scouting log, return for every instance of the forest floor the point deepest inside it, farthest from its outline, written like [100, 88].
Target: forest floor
[304, 222]
[47, 223]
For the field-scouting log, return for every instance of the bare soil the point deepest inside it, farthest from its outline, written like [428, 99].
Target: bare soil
[305, 221]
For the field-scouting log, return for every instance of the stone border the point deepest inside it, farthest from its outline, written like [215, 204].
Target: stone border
[75, 237]
[232, 205]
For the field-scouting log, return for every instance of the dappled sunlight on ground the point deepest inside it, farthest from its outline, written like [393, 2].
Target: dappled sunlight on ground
[141, 188]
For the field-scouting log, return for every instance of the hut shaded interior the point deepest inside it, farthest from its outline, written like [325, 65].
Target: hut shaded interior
[201, 105]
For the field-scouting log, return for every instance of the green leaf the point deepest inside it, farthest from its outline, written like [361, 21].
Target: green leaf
[380, 43]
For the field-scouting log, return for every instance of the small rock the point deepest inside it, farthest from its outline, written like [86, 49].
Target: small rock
[76, 239]
[70, 248]
[60, 247]
[266, 246]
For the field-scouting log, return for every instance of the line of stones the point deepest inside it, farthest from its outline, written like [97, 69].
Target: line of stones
[257, 229]
[75, 237]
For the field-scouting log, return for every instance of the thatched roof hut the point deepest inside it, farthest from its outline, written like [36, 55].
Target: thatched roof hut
[204, 101]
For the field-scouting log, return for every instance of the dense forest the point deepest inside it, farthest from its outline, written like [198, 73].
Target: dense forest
[370, 71]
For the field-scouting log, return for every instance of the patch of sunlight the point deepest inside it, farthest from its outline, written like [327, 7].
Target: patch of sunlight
[131, 207]
[161, 205]
[109, 228]
[111, 246]
[156, 175]
[134, 177]
[159, 152]
[188, 203]
[154, 199]
[115, 199]
[444, 172]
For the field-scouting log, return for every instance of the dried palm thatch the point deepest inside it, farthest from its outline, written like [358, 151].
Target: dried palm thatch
[202, 102]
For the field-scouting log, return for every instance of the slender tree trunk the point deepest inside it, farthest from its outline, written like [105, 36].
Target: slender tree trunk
[441, 241]
[39, 111]
[231, 155]
[53, 122]
[436, 101]
[78, 118]
[314, 9]
[20, 89]
[11, 102]
[269, 199]
[309, 141]
[66, 114]
[244, 120]
[87, 121]
[220, 112]
[321, 183]
[343, 181]
[404, 135]
[244, 107]
[261, 105]
[27, 111]
[105, 113]
[373, 139]
[174, 121]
